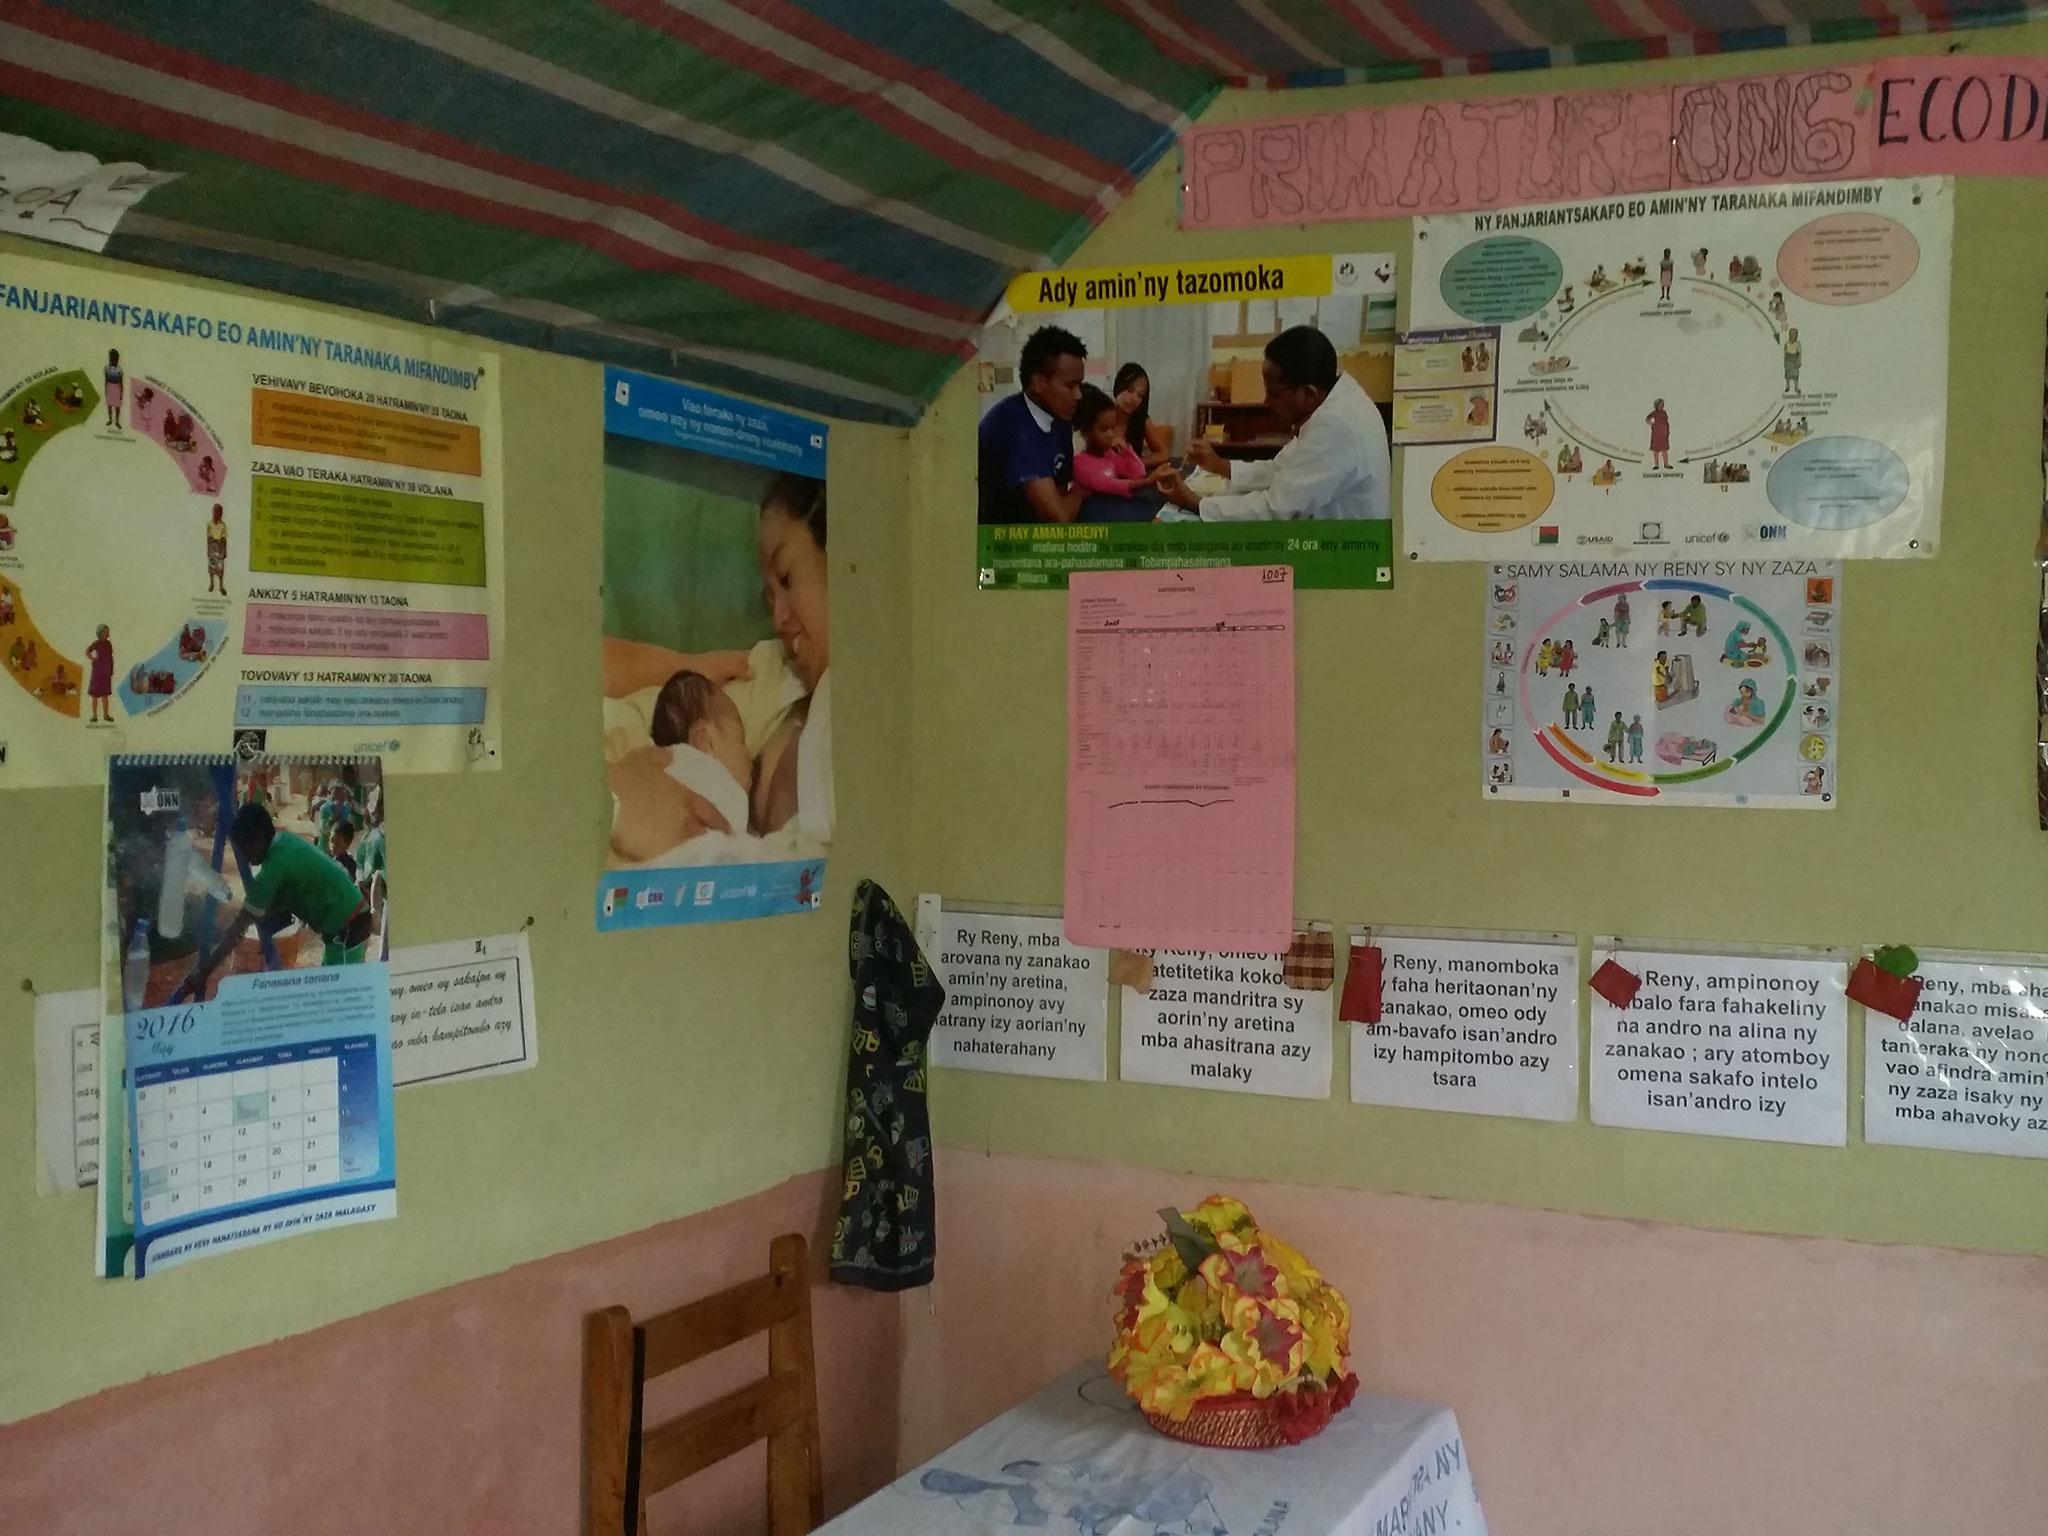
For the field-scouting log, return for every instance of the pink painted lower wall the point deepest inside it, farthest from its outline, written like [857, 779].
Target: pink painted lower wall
[456, 1412]
[1611, 1377]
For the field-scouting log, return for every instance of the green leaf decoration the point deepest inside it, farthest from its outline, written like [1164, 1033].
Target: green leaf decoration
[1192, 1246]
[1896, 960]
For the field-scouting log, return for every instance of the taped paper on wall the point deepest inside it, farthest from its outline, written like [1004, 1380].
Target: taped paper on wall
[1968, 1072]
[1752, 1046]
[462, 1009]
[483, 989]
[1180, 759]
[1019, 998]
[1474, 1025]
[1227, 1021]
[67, 1090]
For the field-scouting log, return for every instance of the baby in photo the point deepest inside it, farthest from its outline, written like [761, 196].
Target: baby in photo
[700, 726]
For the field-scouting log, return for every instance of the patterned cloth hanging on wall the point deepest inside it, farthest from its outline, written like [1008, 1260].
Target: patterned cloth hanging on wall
[885, 1238]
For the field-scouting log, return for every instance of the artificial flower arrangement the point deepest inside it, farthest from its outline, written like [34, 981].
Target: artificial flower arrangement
[1227, 1336]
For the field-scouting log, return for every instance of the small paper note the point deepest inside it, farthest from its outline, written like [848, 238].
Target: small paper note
[67, 1091]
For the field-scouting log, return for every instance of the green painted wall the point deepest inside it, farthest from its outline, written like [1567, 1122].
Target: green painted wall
[1934, 841]
[683, 1069]
[678, 1069]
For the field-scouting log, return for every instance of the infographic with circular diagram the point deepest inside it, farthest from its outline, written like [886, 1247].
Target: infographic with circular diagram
[1675, 682]
[1761, 371]
[228, 523]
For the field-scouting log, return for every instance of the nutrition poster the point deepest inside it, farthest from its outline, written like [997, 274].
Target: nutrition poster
[1669, 683]
[1764, 369]
[226, 522]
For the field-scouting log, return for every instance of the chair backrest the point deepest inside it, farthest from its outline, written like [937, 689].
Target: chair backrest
[624, 1460]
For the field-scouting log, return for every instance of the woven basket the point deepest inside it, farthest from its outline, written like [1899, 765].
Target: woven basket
[1242, 1422]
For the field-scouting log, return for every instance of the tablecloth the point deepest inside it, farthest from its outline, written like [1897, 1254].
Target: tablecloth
[1077, 1459]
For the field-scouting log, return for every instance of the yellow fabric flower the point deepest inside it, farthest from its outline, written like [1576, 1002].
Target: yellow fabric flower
[1168, 1270]
[1256, 1317]
[1219, 1214]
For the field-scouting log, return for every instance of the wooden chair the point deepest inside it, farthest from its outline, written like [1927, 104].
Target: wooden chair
[624, 1460]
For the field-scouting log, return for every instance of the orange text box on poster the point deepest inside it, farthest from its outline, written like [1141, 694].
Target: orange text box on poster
[317, 424]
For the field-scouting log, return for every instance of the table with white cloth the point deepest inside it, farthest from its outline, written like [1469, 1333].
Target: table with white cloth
[1079, 1460]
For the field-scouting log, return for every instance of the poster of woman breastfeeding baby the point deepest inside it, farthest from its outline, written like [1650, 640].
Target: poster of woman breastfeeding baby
[1669, 683]
[717, 656]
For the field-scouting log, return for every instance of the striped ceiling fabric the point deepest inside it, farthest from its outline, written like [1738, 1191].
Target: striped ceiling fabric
[811, 201]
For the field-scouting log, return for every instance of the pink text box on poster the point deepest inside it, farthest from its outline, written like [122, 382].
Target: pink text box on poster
[392, 634]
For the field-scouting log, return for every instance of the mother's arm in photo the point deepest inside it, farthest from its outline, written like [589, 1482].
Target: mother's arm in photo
[652, 813]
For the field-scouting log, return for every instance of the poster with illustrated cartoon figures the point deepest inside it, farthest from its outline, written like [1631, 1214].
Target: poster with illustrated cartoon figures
[1760, 370]
[230, 523]
[1670, 683]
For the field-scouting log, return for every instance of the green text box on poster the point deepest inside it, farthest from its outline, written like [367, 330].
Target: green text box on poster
[1322, 554]
[316, 528]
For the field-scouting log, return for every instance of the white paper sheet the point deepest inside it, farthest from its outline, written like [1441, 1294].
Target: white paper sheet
[67, 1091]
[1019, 998]
[462, 1009]
[1752, 1046]
[66, 196]
[1968, 1071]
[1227, 1021]
[1474, 1025]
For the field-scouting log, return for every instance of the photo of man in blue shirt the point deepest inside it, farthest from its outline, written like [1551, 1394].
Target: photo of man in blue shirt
[1027, 440]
